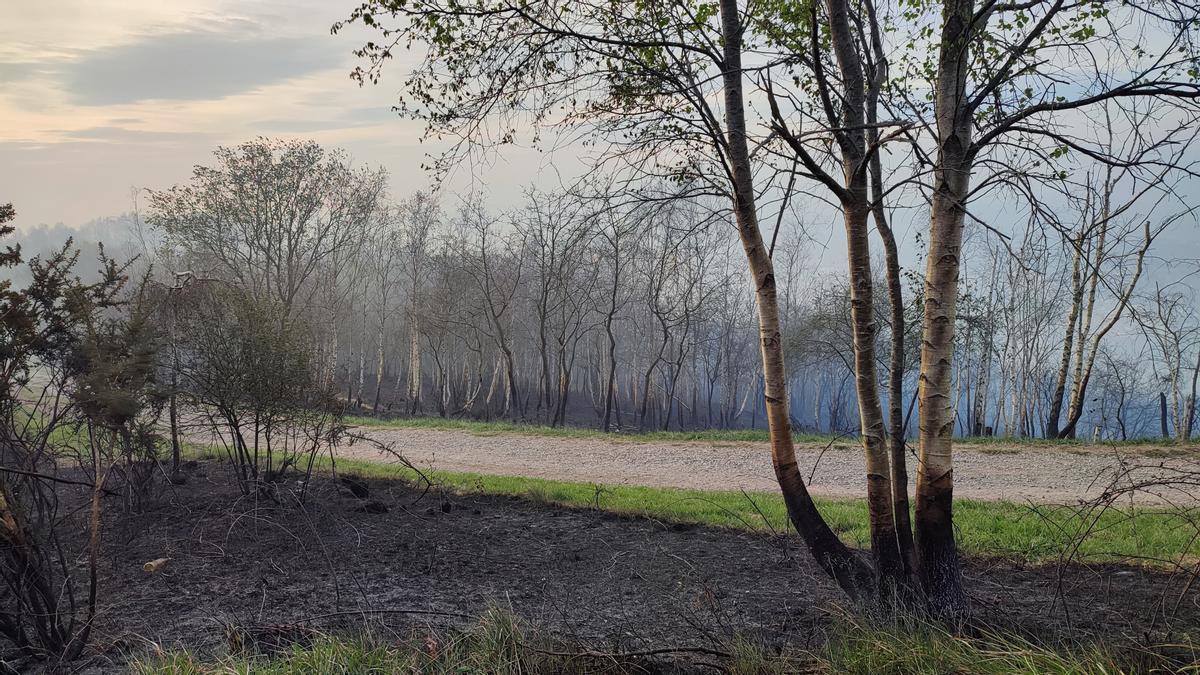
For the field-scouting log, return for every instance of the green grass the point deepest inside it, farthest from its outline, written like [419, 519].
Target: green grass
[495, 643]
[920, 648]
[708, 435]
[984, 528]
[498, 642]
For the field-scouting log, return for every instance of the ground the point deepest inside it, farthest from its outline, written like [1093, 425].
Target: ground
[598, 579]
[1001, 471]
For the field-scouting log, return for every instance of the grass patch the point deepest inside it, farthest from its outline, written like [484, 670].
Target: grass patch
[920, 648]
[497, 642]
[984, 528]
[732, 437]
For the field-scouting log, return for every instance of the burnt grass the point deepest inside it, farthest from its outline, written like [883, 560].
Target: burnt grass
[599, 580]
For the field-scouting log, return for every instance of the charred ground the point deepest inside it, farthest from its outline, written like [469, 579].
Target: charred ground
[406, 559]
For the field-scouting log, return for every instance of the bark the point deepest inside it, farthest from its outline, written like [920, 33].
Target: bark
[1060, 380]
[1078, 387]
[936, 552]
[381, 336]
[1189, 415]
[850, 572]
[856, 211]
[895, 287]
[611, 379]
[896, 424]
[1162, 415]
[414, 361]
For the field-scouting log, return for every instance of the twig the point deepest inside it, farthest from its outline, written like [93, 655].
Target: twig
[56, 479]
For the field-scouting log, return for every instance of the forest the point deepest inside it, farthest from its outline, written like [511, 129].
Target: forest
[594, 310]
[849, 336]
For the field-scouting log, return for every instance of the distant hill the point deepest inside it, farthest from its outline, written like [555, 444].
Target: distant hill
[119, 234]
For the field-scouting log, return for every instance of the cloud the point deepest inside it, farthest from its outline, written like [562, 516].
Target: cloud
[118, 134]
[352, 118]
[15, 71]
[192, 66]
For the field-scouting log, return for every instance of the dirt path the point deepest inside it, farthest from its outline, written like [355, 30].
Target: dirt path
[1038, 474]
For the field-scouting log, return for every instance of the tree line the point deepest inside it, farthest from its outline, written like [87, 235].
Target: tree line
[582, 308]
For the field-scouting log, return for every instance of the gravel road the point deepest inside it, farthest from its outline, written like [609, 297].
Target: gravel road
[993, 472]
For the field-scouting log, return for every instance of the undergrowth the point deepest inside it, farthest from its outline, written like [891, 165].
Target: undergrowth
[916, 647]
[498, 642]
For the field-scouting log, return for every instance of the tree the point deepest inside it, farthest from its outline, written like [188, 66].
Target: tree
[71, 359]
[421, 215]
[643, 77]
[643, 82]
[1107, 199]
[268, 215]
[252, 376]
[1002, 100]
[1172, 326]
[846, 74]
[619, 241]
[383, 250]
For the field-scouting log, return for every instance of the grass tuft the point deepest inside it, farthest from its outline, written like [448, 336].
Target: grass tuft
[915, 647]
[497, 642]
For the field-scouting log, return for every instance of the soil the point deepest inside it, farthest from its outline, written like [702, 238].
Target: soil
[589, 577]
[985, 472]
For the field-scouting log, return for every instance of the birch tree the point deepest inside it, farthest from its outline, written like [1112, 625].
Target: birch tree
[646, 78]
[1008, 78]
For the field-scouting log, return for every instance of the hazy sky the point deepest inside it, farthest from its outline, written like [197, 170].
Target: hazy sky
[101, 96]
[98, 97]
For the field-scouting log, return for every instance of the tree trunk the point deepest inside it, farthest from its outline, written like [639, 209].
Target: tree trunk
[379, 367]
[414, 362]
[856, 209]
[1162, 415]
[851, 573]
[896, 426]
[1060, 380]
[1189, 415]
[611, 381]
[880, 496]
[937, 554]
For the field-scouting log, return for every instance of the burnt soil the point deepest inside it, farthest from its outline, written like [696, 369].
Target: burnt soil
[592, 578]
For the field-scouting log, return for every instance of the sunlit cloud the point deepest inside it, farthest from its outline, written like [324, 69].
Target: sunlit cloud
[133, 93]
[191, 66]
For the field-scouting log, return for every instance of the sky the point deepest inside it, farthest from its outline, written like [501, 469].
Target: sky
[102, 98]
[99, 98]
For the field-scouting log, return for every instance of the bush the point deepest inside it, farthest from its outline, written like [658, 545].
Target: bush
[249, 371]
[75, 388]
